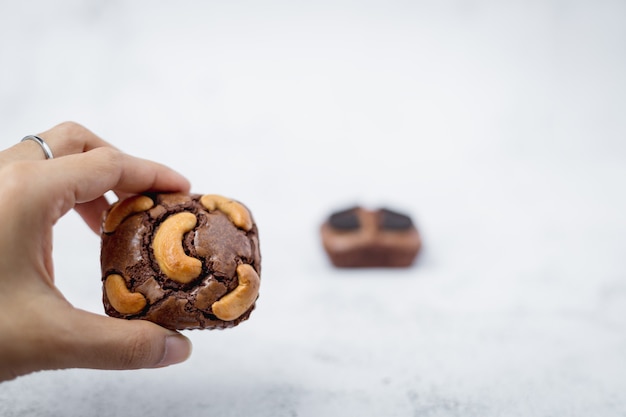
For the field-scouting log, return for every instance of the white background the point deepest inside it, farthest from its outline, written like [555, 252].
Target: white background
[499, 126]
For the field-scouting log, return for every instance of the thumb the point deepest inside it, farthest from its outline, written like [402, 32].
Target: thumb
[99, 342]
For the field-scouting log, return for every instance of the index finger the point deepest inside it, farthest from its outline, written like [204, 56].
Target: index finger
[86, 176]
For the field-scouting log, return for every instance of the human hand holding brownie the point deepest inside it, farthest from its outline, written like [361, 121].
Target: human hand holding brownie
[39, 328]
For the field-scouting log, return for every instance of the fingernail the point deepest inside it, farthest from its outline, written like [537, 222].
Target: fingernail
[177, 349]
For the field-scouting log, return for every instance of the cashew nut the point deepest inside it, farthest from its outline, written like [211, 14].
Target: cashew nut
[235, 211]
[121, 298]
[168, 248]
[120, 211]
[238, 301]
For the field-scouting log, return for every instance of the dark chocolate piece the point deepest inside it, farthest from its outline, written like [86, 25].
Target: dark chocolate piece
[345, 219]
[392, 220]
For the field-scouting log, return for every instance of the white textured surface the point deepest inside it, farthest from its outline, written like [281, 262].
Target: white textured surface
[498, 125]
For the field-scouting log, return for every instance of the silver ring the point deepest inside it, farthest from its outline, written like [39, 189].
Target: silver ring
[44, 146]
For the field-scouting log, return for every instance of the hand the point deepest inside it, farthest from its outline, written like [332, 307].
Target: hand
[39, 328]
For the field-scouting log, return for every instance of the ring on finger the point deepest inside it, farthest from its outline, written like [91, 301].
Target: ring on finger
[44, 146]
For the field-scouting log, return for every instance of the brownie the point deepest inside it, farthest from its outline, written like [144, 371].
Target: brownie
[183, 261]
[357, 237]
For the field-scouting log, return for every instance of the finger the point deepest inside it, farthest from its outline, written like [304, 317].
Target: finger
[106, 343]
[70, 138]
[87, 176]
[87, 340]
[51, 334]
[91, 212]
[64, 139]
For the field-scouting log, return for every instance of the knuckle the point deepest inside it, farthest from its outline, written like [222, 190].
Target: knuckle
[74, 135]
[109, 156]
[70, 129]
[141, 352]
